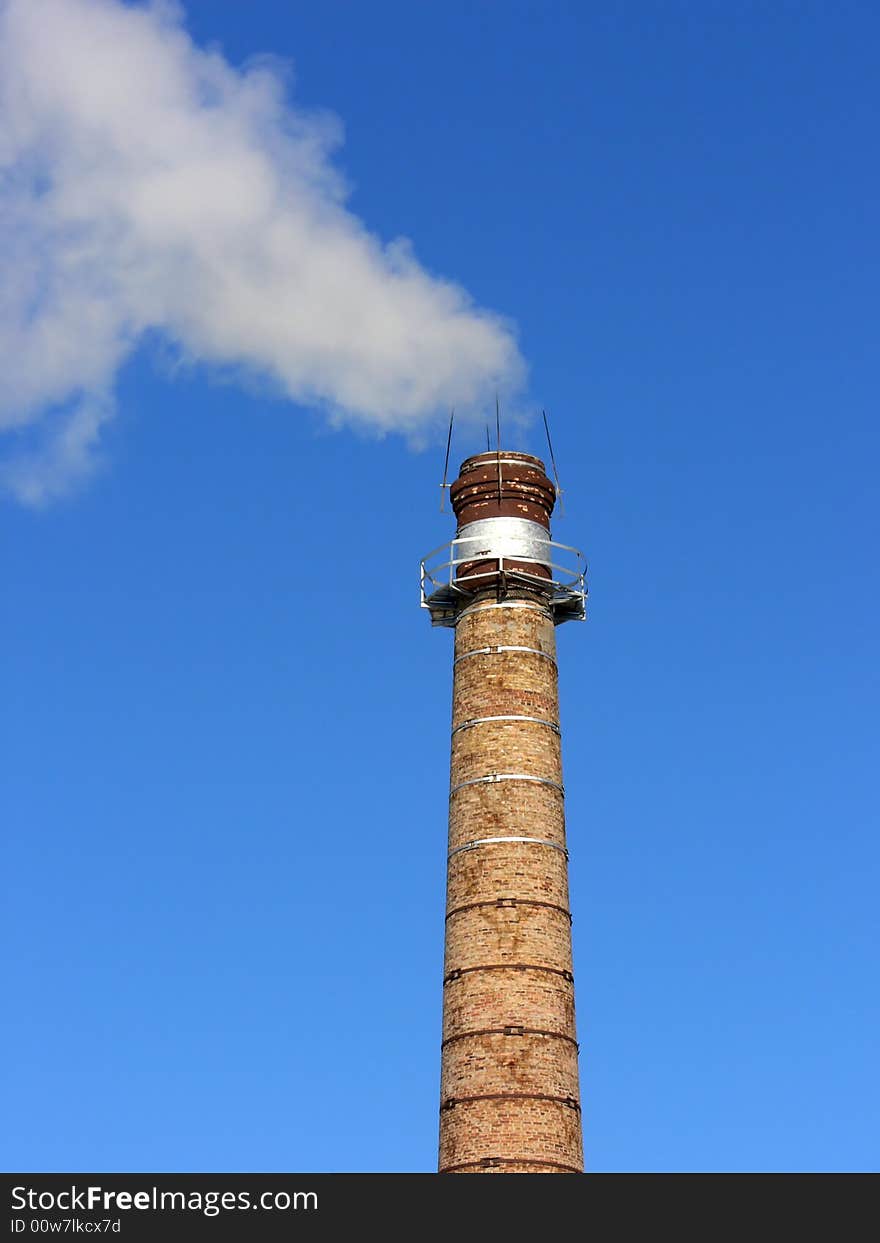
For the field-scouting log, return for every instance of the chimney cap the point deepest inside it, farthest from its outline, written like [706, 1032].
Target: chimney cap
[506, 455]
[502, 484]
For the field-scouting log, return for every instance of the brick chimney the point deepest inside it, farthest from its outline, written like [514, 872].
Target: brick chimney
[510, 1100]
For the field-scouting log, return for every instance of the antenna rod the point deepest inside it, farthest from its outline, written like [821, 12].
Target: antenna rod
[553, 461]
[498, 443]
[444, 485]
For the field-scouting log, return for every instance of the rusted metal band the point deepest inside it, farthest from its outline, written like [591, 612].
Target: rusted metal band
[505, 903]
[568, 1101]
[523, 462]
[492, 778]
[510, 1030]
[527, 720]
[487, 1163]
[493, 841]
[504, 647]
[507, 966]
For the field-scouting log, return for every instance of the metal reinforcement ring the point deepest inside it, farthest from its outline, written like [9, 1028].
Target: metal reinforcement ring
[458, 972]
[507, 604]
[512, 1029]
[484, 1163]
[526, 720]
[507, 903]
[492, 778]
[493, 841]
[569, 1101]
[504, 647]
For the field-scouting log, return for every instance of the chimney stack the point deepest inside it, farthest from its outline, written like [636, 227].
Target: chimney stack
[510, 1100]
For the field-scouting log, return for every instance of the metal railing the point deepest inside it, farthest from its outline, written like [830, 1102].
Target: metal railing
[443, 589]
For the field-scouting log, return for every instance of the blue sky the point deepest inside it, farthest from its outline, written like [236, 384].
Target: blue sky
[225, 726]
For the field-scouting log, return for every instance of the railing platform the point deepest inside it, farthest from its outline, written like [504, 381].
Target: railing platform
[445, 592]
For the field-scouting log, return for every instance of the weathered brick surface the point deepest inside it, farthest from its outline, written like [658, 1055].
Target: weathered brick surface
[488, 999]
[494, 1166]
[498, 1062]
[491, 683]
[505, 809]
[517, 1129]
[507, 870]
[489, 747]
[508, 934]
[523, 624]
[508, 938]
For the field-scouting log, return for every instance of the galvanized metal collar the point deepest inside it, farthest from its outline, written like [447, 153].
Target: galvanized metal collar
[505, 537]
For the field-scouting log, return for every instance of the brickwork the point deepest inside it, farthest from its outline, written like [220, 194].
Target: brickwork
[509, 1083]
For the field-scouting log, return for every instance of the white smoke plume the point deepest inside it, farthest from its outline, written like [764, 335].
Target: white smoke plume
[148, 186]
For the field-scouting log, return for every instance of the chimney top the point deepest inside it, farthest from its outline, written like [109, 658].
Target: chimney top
[502, 484]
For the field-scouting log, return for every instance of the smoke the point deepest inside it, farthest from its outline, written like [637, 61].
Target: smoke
[148, 186]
